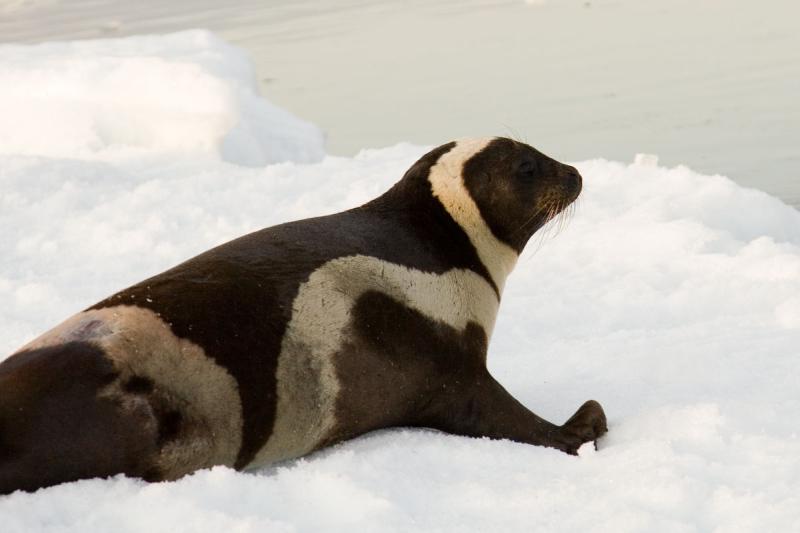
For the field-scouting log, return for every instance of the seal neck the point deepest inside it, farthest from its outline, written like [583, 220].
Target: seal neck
[433, 201]
[446, 179]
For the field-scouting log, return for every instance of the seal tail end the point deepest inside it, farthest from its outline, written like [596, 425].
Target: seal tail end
[55, 427]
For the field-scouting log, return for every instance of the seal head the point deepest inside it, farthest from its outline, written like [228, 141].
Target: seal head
[518, 189]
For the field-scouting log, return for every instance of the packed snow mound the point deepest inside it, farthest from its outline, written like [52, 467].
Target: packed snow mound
[186, 94]
[670, 296]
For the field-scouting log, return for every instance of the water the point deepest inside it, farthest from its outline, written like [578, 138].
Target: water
[713, 85]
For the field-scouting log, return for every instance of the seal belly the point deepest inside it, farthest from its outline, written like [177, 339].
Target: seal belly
[192, 404]
[320, 333]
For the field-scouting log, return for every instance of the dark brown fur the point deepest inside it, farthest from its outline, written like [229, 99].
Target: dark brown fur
[235, 302]
[53, 426]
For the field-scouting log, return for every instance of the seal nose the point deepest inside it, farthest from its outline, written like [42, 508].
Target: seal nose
[573, 180]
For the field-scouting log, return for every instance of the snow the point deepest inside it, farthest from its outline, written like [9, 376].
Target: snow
[187, 94]
[670, 297]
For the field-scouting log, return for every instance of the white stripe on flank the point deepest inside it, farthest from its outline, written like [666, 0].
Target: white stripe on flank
[447, 181]
[307, 383]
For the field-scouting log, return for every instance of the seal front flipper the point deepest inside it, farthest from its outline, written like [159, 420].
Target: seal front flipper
[586, 425]
[483, 408]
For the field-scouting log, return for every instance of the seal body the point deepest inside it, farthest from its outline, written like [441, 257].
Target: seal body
[298, 336]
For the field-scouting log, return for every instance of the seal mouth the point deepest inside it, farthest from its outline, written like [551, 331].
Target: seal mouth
[556, 201]
[568, 188]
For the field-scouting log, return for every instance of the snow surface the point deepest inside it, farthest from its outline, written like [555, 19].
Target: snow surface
[187, 93]
[671, 297]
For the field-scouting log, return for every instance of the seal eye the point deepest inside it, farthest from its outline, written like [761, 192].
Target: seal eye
[528, 172]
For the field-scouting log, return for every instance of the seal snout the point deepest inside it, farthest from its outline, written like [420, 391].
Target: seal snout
[572, 181]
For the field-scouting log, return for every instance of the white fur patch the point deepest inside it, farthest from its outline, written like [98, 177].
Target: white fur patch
[307, 382]
[447, 182]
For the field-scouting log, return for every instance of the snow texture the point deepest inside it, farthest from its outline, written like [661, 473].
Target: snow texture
[671, 297]
[186, 94]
